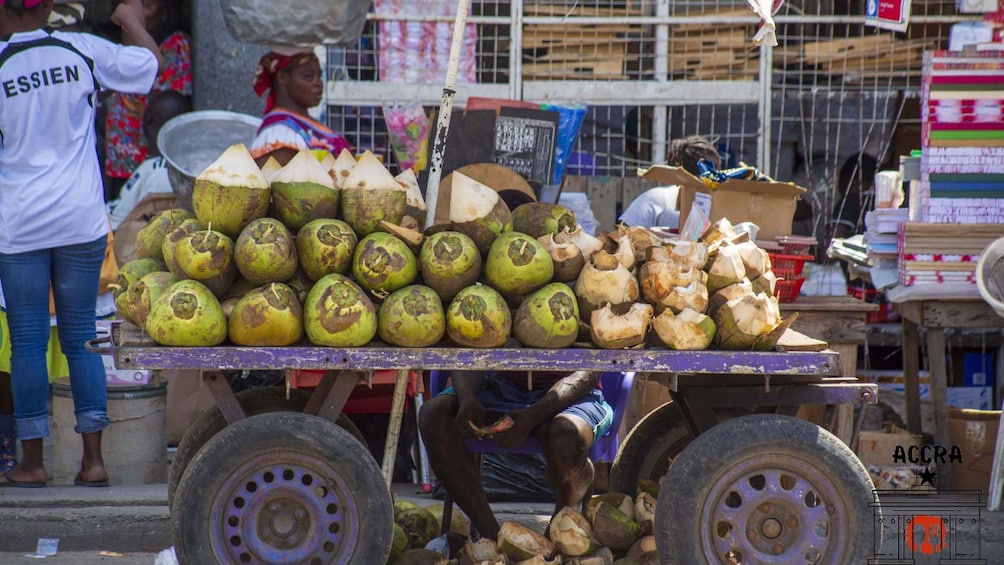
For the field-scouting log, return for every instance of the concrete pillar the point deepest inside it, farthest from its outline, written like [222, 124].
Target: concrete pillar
[224, 67]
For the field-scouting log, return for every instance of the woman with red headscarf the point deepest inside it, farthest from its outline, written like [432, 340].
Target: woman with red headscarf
[291, 78]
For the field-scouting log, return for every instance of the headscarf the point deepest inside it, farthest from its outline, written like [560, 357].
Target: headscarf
[270, 65]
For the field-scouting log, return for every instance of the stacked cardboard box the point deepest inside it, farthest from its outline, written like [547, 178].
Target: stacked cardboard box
[942, 253]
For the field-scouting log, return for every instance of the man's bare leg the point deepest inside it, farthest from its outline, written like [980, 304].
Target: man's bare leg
[566, 446]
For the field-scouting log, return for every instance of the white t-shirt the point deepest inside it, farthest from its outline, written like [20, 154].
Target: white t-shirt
[149, 177]
[654, 208]
[50, 180]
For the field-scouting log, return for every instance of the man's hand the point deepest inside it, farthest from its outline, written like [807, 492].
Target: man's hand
[470, 416]
[129, 13]
[517, 434]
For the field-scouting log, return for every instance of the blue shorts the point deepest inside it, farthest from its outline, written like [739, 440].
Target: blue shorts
[499, 396]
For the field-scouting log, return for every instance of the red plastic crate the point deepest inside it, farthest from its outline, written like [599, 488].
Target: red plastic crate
[788, 290]
[788, 267]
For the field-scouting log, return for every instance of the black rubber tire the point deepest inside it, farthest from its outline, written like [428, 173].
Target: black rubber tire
[765, 443]
[348, 483]
[254, 401]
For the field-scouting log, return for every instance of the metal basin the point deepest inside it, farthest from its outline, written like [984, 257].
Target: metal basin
[192, 141]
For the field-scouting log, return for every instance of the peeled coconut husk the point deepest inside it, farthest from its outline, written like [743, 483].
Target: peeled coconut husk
[578, 237]
[482, 552]
[686, 331]
[644, 551]
[541, 218]
[765, 283]
[342, 167]
[270, 168]
[604, 280]
[520, 543]
[420, 525]
[142, 294]
[477, 211]
[649, 486]
[129, 274]
[421, 557]
[303, 191]
[409, 236]
[644, 511]
[755, 260]
[382, 264]
[614, 528]
[231, 192]
[150, 240]
[415, 203]
[726, 268]
[720, 231]
[187, 315]
[337, 313]
[641, 240]
[325, 246]
[748, 321]
[517, 264]
[619, 500]
[185, 228]
[567, 258]
[621, 326]
[265, 252]
[478, 317]
[693, 296]
[602, 556]
[371, 194]
[412, 317]
[459, 524]
[619, 245]
[540, 560]
[661, 274]
[548, 318]
[449, 262]
[571, 533]
[270, 316]
[399, 543]
[208, 257]
[694, 253]
[718, 299]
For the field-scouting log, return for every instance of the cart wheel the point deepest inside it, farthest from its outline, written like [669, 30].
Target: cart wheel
[765, 489]
[254, 401]
[652, 445]
[283, 487]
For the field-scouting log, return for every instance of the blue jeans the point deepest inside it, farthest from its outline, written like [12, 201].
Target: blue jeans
[73, 271]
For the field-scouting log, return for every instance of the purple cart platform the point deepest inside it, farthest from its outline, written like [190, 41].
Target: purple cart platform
[277, 481]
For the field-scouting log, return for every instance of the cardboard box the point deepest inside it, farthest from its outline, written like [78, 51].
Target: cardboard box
[975, 432]
[113, 375]
[897, 478]
[769, 205]
[878, 448]
[187, 399]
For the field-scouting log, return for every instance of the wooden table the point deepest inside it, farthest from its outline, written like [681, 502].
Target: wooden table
[937, 315]
[841, 322]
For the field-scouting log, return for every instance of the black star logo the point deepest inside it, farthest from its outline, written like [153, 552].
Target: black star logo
[926, 476]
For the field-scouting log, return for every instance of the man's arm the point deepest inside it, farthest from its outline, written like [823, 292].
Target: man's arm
[561, 395]
[129, 16]
[470, 412]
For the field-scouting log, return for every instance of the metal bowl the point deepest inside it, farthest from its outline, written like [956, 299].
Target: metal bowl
[192, 141]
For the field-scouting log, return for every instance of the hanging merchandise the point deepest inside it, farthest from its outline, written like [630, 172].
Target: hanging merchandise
[408, 127]
[569, 122]
[418, 52]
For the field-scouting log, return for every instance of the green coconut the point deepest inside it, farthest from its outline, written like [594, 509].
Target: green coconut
[459, 524]
[686, 331]
[399, 544]
[266, 317]
[621, 326]
[540, 218]
[517, 264]
[718, 299]
[644, 511]
[604, 280]
[615, 529]
[420, 557]
[185, 228]
[150, 239]
[208, 257]
[567, 258]
[572, 534]
[401, 505]
[520, 543]
[420, 525]
[187, 314]
[411, 317]
[649, 486]
[231, 192]
[726, 268]
[548, 318]
[478, 317]
[748, 322]
[765, 283]
[621, 501]
[303, 191]
[325, 246]
[129, 274]
[265, 252]
[382, 264]
[370, 194]
[337, 313]
[477, 211]
[449, 261]
[144, 292]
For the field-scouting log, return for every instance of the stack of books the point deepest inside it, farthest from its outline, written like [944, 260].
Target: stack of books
[942, 253]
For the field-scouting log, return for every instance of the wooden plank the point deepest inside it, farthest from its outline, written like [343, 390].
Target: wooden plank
[939, 399]
[730, 39]
[911, 375]
[833, 327]
[680, 61]
[576, 11]
[973, 313]
[603, 193]
[828, 304]
[793, 340]
[574, 183]
[571, 70]
[997, 471]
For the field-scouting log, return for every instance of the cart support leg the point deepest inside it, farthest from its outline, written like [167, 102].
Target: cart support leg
[394, 426]
[224, 396]
[331, 394]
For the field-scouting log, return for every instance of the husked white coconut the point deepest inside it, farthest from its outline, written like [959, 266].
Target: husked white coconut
[726, 268]
[756, 260]
[694, 253]
[370, 174]
[571, 533]
[408, 180]
[693, 296]
[342, 167]
[235, 167]
[580, 238]
[604, 280]
[686, 331]
[302, 168]
[620, 326]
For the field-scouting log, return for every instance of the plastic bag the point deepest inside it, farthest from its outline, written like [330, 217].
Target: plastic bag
[697, 223]
[408, 128]
[569, 122]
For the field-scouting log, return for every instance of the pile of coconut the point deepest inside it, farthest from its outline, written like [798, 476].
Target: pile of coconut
[328, 250]
[613, 529]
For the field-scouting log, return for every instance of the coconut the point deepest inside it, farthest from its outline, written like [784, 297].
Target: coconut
[265, 252]
[693, 253]
[620, 246]
[303, 191]
[579, 238]
[765, 283]
[337, 313]
[415, 203]
[755, 260]
[662, 273]
[644, 551]
[567, 258]
[641, 239]
[231, 192]
[540, 218]
[227, 304]
[644, 511]
[602, 556]
[325, 246]
[459, 524]
[420, 525]
[548, 318]
[621, 501]
[571, 533]
[478, 317]
[726, 268]
[129, 274]
[720, 231]
[539, 560]
[185, 228]
[208, 257]
[449, 262]
[686, 331]
[421, 557]
[693, 296]
[342, 167]
[614, 528]
[411, 317]
[371, 194]
[382, 264]
[270, 168]
[144, 292]
[150, 240]
[621, 326]
[743, 321]
[520, 543]
[187, 314]
[399, 543]
[269, 316]
[482, 552]
[604, 280]
[401, 505]
[477, 211]
[718, 299]
[517, 265]
[324, 158]
[649, 486]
